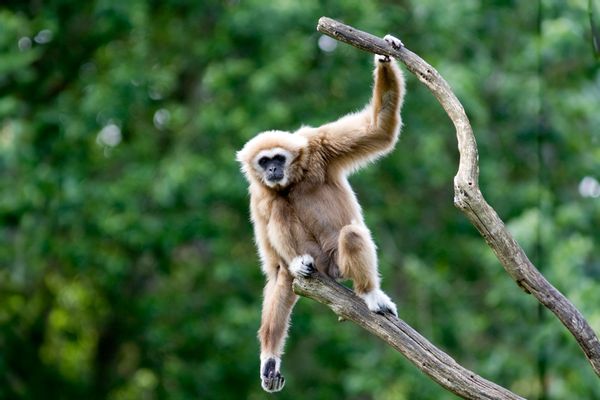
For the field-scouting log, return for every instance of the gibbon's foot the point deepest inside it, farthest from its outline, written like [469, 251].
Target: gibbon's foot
[379, 302]
[302, 266]
[393, 41]
[271, 378]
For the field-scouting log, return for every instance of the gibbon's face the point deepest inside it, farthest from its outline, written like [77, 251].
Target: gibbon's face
[272, 166]
[275, 159]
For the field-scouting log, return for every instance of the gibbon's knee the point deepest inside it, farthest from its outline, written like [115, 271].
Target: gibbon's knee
[357, 258]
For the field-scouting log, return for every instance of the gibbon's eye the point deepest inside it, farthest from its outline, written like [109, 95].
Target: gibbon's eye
[279, 158]
[263, 161]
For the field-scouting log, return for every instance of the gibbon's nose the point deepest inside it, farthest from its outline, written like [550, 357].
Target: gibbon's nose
[274, 173]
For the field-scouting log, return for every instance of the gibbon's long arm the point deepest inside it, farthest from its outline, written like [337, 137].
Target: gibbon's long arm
[277, 307]
[358, 138]
[268, 256]
[278, 301]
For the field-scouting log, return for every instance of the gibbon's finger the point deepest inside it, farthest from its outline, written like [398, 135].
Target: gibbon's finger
[383, 58]
[279, 382]
[274, 383]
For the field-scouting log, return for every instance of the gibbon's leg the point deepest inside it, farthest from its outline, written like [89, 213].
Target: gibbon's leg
[279, 299]
[357, 260]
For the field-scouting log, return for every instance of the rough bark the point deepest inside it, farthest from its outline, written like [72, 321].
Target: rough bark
[469, 199]
[432, 361]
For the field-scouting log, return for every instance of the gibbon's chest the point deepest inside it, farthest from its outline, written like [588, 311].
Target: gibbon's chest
[323, 210]
[313, 214]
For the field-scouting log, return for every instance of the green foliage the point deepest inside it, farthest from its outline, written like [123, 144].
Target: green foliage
[127, 265]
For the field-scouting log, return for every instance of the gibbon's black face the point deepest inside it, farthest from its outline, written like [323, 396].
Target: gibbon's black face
[273, 167]
[273, 159]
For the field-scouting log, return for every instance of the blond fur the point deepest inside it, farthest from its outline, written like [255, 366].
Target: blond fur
[316, 212]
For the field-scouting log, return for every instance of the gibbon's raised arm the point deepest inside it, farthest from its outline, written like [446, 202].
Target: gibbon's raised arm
[355, 139]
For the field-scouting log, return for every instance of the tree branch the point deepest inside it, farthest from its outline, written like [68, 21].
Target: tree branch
[467, 195]
[432, 361]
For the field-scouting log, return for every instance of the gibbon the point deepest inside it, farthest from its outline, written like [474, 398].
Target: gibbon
[306, 216]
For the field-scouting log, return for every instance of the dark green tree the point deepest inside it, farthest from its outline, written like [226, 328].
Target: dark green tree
[127, 266]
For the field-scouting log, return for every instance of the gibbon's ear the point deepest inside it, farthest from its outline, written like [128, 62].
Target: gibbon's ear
[243, 156]
[239, 156]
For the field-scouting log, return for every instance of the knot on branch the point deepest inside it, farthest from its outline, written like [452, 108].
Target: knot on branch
[465, 191]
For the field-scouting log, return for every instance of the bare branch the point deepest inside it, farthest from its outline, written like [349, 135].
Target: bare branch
[467, 195]
[432, 361]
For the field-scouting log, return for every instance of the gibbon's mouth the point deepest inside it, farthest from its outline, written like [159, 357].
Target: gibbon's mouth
[275, 177]
[276, 182]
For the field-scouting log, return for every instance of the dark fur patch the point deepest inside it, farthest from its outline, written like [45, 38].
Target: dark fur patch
[269, 369]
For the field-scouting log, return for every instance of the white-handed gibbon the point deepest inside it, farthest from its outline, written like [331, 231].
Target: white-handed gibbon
[305, 214]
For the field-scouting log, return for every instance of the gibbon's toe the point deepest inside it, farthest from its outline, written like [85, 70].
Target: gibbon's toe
[379, 302]
[393, 41]
[302, 266]
[385, 310]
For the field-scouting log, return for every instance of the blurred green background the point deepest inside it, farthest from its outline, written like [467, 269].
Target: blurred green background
[127, 264]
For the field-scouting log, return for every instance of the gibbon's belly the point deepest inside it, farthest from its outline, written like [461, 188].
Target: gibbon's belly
[325, 211]
[310, 220]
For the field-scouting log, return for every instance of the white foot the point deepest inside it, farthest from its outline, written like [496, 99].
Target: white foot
[379, 302]
[302, 266]
[270, 377]
[393, 41]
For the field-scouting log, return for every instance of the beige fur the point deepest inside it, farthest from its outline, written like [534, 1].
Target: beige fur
[315, 212]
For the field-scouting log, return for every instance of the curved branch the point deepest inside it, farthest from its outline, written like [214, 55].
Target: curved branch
[468, 197]
[432, 361]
